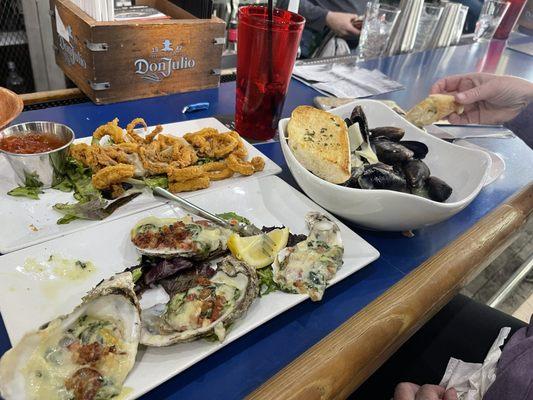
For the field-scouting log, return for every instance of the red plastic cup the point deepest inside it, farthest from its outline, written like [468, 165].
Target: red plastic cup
[509, 19]
[264, 66]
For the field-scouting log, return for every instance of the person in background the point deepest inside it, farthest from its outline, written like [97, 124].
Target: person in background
[464, 329]
[321, 16]
[474, 9]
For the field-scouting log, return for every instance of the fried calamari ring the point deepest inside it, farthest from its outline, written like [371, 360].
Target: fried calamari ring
[237, 165]
[183, 154]
[222, 145]
[110, 129]
[112, 175]
[219, 174]
[258, 163]
[214, 166]
[189, 185]
[240, 150]
[217, 170]
[185, 174]
[128, 147]
[82, 152]
[167, 140]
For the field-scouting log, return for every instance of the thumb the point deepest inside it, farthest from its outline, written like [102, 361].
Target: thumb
[478, 93]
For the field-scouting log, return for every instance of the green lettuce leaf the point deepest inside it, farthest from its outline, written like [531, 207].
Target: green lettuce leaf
[228, 216]
[25, 191]
[266, 281]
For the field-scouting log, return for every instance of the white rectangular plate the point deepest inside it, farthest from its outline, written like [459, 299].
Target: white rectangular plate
[27, 301]
[26, 222]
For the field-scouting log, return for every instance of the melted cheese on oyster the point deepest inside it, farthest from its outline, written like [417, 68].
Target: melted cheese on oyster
[168, 236]
[90, 343]
[203, 305]
[307, 267]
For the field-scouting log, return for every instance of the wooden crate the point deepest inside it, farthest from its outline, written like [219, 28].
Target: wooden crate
[116, 61]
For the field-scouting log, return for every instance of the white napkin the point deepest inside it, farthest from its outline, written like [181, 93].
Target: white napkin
[345, 80]
[472, 380]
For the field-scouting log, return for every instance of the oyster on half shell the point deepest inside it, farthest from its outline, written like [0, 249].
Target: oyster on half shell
[202, 305]
[184, 237]
[308, 266]
[84, 355]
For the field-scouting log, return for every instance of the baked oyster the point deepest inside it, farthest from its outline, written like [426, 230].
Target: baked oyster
[84, 355]
[199, 302]
[184, 237]
[308, 266]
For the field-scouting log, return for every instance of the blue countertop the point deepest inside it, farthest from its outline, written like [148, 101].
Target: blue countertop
[240, 367]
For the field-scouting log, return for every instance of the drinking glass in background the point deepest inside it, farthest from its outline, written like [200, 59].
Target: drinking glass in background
[377, 27]
[509, 19]
[265, 58]
[427, 25]
[489, 19]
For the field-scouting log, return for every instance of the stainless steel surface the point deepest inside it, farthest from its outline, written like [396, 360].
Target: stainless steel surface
[511, 283]
[46, 167]
[241, 228]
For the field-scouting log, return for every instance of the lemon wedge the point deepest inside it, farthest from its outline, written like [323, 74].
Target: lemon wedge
[250, 249]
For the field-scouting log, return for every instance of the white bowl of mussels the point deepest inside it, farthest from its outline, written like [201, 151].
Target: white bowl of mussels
[402, 178]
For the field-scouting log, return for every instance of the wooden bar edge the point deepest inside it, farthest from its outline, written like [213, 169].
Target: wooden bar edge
[338, 364]
[51, 95]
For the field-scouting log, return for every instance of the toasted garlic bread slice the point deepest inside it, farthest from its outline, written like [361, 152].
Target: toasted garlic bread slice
[432, 109]
[319, 141]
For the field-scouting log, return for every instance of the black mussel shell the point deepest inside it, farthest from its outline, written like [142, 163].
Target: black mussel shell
[438, 190]
[391, 152]
[416, 172]
[358, 117]
[348, 122]
[390, 132]
[380, 176]
[419, 149]
[355, 174]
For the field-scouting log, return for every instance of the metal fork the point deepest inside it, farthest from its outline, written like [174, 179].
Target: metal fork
[241, 228]
[506, 135]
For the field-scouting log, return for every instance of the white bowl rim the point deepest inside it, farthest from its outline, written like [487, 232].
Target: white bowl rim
[451, 205]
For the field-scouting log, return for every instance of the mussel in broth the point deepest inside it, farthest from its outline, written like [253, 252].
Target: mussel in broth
[419, 149]
[416, 172]
[390, 132]
[391, 152]
[438, 190]
[381, 176]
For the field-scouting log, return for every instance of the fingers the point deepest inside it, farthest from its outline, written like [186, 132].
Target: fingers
[448, 84]
[405, 391]
[430, 392]
[450, 394]
[482, 92]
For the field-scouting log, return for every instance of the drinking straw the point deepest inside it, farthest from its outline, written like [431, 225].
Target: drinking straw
[269, 41]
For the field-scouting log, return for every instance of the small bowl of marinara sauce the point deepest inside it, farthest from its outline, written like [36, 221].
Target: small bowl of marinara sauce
[37, 151]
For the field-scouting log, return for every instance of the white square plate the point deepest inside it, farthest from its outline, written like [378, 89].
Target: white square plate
[27, 301]
[26, 222]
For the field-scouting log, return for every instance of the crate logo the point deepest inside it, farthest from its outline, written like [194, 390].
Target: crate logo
[158, 68]
[70, 53]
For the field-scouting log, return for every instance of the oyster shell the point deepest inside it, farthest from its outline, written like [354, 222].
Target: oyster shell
[83, 355]
[308, 266]
[205, 305]
[168, 237]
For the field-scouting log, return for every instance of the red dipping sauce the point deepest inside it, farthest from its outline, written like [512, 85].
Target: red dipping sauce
[31, 143]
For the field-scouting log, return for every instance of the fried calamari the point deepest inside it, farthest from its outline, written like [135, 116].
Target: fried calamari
[190, 162]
